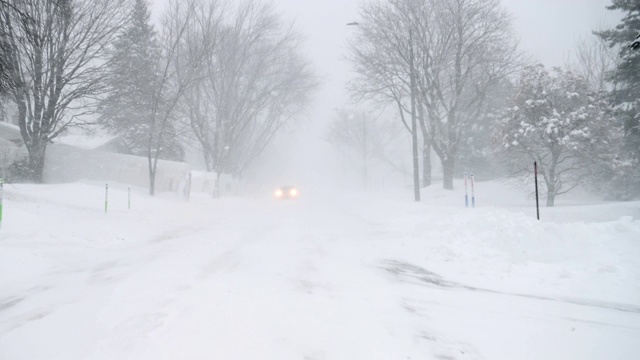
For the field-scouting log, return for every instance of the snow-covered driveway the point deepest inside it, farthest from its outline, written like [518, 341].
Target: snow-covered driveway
[357, 277]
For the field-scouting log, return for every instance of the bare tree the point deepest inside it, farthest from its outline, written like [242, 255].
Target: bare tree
[256, 81]
[380, 54]
[367, 138]
[595, 60]
[177, 72]
[6, 50]
[465, 47]
[461, 48]
[57, 64]
[196, 106]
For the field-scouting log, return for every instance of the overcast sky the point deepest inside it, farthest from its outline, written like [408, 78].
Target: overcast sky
[548, 30]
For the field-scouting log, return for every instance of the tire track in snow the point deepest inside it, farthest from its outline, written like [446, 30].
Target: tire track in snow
[414, 274]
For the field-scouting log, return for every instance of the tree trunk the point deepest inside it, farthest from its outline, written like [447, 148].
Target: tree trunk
[37, 150]
[216, 186]
[365, 172]
[208, 158]
[365, 176]
[426, 162]
[426, 147]
[35, 146]
[152, 177]
[551, 198]
[447, 169]
[551, 195]
[551, 180]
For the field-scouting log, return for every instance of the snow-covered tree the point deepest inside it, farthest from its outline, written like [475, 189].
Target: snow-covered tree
[626, 96]
[127, 110]
[556, 120]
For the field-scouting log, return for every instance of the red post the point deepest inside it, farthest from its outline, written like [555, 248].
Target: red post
[473, 193]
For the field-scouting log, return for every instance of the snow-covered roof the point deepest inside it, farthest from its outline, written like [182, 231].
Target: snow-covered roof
[10, 132]
[84, 141]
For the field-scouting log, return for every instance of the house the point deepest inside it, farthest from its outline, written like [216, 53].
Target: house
[11, 146]
[79, 157]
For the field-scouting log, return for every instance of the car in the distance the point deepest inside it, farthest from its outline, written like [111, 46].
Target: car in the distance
[286, 193]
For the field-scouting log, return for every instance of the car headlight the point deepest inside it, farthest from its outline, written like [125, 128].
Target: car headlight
[293, 192]
[278, 193]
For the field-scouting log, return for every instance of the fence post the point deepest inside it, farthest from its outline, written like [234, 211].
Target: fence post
[189, 186]
[535, 171]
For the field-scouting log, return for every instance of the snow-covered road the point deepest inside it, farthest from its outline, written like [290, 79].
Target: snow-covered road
[356, 277]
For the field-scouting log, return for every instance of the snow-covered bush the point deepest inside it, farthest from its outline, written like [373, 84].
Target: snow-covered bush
[556, 120]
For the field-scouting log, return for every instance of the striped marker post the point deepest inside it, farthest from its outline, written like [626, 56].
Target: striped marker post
[473, 194]
[466, 193]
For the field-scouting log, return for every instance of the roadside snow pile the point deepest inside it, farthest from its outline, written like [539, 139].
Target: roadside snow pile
[499, 250]
[573, 251]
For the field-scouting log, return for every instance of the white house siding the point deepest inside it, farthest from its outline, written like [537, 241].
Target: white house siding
[205, 182]
[64, 163]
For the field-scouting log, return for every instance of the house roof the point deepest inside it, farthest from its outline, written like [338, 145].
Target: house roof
[10, 132]
[86, 142]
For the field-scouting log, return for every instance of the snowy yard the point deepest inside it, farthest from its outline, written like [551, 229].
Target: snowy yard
[354, 276]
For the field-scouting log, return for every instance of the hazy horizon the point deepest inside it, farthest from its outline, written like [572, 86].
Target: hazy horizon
[548, 31]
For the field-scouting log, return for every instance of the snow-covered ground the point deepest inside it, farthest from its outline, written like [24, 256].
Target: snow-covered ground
[329, 276]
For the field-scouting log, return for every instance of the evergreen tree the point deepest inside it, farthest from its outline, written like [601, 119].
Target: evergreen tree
[127, 110]
[626, 96]
[475, 154]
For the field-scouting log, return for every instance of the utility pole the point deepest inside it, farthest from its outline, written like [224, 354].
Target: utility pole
[414, 133]
[365, 152]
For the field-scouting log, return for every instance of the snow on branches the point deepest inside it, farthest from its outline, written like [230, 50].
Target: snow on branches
[556, 119]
